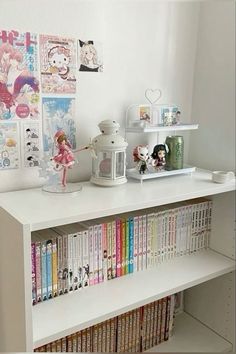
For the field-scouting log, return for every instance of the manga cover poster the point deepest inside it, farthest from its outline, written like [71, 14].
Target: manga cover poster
[9, 145]
[30, 144]
[90, 56]
[58, 64]
[58, 114]
[19, 86]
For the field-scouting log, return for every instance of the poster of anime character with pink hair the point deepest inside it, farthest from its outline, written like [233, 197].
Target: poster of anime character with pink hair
[19, 86]
[58, 64]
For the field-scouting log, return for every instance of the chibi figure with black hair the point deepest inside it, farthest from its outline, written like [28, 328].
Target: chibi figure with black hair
[159, 156]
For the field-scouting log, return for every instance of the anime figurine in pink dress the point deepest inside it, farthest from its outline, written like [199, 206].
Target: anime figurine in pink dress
[64, 158]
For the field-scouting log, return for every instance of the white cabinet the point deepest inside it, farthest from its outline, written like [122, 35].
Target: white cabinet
[23, 327]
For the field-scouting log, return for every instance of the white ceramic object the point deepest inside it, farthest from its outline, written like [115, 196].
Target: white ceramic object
[222, 176]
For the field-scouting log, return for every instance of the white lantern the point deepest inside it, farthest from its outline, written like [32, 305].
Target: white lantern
[109, 161]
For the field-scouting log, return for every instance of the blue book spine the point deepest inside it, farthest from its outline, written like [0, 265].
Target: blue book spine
[131, 245]
[49, 268]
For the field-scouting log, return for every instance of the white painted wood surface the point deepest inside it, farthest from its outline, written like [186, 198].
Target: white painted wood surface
[42, 210]
[70, 313]
[191, 335]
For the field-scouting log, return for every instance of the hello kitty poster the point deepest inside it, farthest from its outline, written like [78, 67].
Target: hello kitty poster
[58, 64]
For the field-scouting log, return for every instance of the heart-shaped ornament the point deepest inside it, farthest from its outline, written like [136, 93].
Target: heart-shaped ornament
[153, 95]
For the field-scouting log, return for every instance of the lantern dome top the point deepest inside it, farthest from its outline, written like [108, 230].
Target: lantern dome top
[109, 126]
[109, 139]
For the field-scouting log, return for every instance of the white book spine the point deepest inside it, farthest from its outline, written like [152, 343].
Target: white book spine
[144, 241]
[80, 260]
[149, 240]
[85, 259]
[70, 262]
[140, 243]
[136, 243]
[158, 220]
[75, 262]
[155, 240]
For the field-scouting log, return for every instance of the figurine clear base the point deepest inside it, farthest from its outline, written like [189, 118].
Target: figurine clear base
[59, 188]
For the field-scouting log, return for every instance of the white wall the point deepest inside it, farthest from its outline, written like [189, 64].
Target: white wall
[213, 147]
[147, 44]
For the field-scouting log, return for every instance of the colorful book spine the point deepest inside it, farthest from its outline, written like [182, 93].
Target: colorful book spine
[109, 250]
[123, 238]
[149, 240]
[118, 248]
[60, 264]
[131, 245]
[127, 241]
[113, 260]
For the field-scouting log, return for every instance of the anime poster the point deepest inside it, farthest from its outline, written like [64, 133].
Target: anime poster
[19, 86]
[58, 114]
[9, 145]
[90, 56]
[58, 64]
[30, 144]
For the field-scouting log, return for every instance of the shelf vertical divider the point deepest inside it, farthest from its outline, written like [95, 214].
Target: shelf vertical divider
[16, 330]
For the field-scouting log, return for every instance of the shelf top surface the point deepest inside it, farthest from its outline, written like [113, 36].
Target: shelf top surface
[161, 128]
[41, 210]
[101, 302]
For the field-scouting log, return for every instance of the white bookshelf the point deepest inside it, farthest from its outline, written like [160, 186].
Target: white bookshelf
[23, 327]
[192, 336]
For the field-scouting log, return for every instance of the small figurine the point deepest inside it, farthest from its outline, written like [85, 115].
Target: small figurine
[64, 158]
[141, 156]
[158, 156]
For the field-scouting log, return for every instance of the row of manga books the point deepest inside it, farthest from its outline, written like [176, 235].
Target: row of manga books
[133, 331]
[75, 256]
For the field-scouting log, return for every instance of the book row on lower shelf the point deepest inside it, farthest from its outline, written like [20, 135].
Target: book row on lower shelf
[133, 331]
[72, 257]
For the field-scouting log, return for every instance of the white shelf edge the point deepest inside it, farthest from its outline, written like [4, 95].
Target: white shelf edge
[107, 300]
[162, 128]
[133, 173]
[190, 335]
[94, 202]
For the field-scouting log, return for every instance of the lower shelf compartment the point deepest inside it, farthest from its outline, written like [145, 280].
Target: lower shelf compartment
[70, 313]
[134, 173]
[190, 335]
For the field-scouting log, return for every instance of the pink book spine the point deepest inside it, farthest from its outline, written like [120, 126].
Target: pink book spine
[91, 256]
[118, 249]
[100, 255]
[104, 251]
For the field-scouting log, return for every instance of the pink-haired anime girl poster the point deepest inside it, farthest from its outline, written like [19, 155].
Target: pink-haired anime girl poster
[19, 86]
[58, 64]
